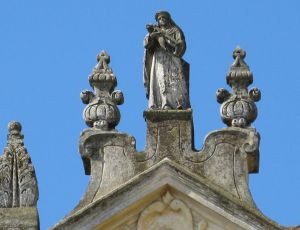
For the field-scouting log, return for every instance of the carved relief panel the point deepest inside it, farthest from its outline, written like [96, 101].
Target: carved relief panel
[172, 211]
[168, 213]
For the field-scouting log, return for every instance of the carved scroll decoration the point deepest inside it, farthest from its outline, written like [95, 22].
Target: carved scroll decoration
[167, 213]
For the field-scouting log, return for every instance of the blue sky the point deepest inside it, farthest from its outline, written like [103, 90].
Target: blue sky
[48, 49]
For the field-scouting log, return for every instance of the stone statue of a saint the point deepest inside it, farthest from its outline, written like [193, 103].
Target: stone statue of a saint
[166, 74]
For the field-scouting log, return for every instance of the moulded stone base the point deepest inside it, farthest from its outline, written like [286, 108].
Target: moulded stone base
[19, 218]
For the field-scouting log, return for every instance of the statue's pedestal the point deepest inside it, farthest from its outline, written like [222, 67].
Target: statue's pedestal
[169, 134]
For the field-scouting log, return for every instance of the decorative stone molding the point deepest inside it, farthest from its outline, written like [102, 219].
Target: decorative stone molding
[109, 158]
[238, 108]
[18, 184]
[101, 111]
[167, 213]
[226, 159]
[124, 206]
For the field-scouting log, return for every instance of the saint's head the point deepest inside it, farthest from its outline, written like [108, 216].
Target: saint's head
[163, 18]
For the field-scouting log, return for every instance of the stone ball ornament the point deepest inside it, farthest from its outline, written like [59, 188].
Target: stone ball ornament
[14, 127]
[118, 97]
[222, 95]
[255, 94]
[238, 112]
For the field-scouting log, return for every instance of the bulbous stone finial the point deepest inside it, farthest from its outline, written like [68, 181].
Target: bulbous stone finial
[238, 108]
[101, 111]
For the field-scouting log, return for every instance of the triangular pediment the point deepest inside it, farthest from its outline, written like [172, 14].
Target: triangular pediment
[168, 208]
[162, 195]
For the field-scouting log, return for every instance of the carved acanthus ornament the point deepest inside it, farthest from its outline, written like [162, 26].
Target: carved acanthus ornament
[238, 108]
[18, 184]
[167, 213]
[101, 111]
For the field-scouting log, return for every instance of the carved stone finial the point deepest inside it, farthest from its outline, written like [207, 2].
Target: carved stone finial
[238, 108]
[14, 127]
[18, 184]
[103, 60]
[101, 111]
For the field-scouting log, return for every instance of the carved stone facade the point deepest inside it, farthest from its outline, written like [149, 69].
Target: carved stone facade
[167, 213]
[167, 186]
[170, 185]
[176, 213]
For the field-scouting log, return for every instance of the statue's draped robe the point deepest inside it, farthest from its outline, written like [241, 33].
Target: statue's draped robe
[165, 73]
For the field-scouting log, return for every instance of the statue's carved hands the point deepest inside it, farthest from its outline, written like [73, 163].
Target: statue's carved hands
[154, 31]
[162, 42]
[155, 34]
[86, 96]
[159, 36]
[151, 28]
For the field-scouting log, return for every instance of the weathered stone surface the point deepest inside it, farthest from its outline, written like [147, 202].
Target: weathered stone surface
[108, 158]
[101, 111]
[169, 134]
[135, 190]
[167, 213]
[166, 74]
[19, 218]
[226, 158]
[18, 184]
[209, 204]
[238, 108]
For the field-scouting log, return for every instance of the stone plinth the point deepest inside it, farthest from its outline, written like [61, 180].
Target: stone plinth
[19, 218]
[169, 134]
